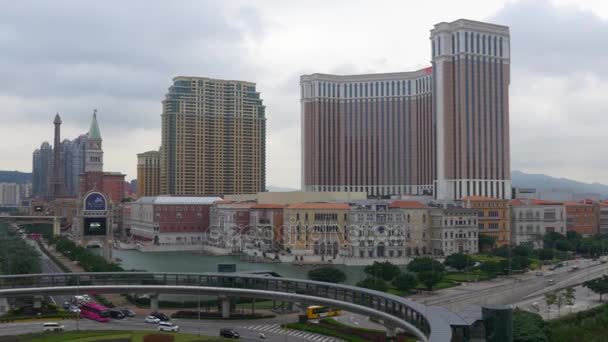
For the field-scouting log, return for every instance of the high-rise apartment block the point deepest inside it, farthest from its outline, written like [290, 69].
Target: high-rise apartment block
[41, 165]
[213, 138]
[10, 194]
[442, 130]
[69, 157]
[148, 174]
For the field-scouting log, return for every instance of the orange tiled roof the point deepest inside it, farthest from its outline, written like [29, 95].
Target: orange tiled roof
[544, 202]
[517, 201]
[407, 204]
[573, 203]
[268, 206]
[319, 206]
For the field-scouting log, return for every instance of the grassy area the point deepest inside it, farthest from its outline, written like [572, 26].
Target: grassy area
[589, 325]
[261, 305]
[485, 257]
[471, 276]
[333, 322]
[90, 336]
[324, 331]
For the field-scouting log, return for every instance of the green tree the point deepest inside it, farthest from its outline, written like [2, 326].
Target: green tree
[490, 267]
[430, 278]
[546, 254]
[550, 300]
[425, 264]
[521, 251]
[459, 261]
[373, 283]
[385, 270]
[327, 274]
[598, 285]
[528, 327]
[520, 262]
[573, 236]
[405, 281]
[563, 245]
[486, 242]
[570, 297]
[551, 238]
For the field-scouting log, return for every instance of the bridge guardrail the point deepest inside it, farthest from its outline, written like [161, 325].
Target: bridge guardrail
[423, 318]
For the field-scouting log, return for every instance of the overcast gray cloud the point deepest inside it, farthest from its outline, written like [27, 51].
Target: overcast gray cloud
[558, 86]
[120, 57]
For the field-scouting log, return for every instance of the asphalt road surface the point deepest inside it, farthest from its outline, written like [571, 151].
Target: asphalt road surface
[515, 289]
[249, 330]
[48, 266]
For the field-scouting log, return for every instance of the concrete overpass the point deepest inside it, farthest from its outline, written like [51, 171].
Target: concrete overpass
[426, 323]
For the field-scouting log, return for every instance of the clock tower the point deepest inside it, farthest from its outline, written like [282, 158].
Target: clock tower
[94, 153]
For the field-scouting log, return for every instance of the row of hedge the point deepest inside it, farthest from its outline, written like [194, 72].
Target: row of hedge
[87, 260]
[190, 314]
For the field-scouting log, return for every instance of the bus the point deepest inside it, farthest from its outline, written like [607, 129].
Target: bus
[95, 312]
[317, 311]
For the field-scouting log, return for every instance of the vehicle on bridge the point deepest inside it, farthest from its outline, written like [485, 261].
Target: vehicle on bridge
[95, 312]
[318, 311]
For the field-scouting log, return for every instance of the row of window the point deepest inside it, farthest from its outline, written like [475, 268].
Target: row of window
[473, 43]
[372, 89]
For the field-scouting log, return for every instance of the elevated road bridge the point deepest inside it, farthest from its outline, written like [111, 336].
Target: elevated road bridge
[423, 322]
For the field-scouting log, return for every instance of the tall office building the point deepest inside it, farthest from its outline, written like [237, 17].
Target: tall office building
[472, 73]
[148, 174]
[73, 158]
[442, 130]
[41, 165]
[213, 138]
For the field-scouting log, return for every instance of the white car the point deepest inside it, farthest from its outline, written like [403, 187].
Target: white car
[74, 309]
[52, 326]
[167, 326]
[151, 319]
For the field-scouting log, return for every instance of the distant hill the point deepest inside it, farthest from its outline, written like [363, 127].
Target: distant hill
[546, 183]
[15, 177]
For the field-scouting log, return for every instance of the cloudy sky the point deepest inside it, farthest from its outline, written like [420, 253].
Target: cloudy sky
[120, 56]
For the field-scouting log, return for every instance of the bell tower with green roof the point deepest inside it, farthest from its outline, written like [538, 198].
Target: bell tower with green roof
[94, 152]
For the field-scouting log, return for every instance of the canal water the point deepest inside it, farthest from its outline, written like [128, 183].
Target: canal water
[191, 262]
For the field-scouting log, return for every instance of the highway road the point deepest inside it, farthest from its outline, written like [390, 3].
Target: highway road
[48, 266]
[513, 290]
[249, 330]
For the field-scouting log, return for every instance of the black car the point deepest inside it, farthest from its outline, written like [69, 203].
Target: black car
[161, 316]
[114, 313]
[229, 333]
[66, 305]
[127, 312]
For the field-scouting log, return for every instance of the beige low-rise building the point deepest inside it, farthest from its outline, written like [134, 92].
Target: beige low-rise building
[317, 229]
[532, 219]
[293, 197]
[454, 230]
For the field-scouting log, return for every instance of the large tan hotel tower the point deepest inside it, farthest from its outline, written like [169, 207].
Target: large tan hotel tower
[213, 138]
